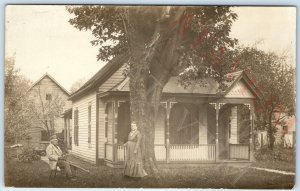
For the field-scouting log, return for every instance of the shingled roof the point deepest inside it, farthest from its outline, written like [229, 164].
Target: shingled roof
[208, 86]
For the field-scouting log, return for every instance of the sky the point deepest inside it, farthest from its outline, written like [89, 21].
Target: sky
[43, 41]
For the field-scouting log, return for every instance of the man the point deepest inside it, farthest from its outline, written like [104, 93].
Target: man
[56, 157]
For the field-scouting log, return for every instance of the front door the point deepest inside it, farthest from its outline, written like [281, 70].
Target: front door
[123, 126]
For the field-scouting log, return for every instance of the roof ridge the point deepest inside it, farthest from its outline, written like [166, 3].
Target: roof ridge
[51, 78]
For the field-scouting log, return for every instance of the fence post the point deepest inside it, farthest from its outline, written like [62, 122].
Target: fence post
[115, 152]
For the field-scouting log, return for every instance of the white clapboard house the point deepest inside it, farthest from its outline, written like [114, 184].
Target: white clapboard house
[195, 124]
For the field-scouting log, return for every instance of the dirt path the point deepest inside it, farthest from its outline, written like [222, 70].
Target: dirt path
[274, 171]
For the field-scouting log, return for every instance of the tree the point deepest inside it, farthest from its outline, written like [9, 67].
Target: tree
[275, 79]
[17, 107]
[47, 107]
[76, 85]
[160, 42]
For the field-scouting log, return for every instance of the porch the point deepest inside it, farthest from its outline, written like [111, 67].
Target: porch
[186, 132]
[116, 153]
[198, 123]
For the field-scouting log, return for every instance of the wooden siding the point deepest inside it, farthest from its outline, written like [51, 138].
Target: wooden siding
[84, 149]
[47, 86]
[160, 127]
[233, 126]
[115, 79]
[101, 132]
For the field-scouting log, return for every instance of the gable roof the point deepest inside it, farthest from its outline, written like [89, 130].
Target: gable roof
[101, 76]
[173, 86]
[52, 79]
[209, 86]
[241, 76]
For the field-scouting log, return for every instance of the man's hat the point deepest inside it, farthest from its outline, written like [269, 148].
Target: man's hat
[53, 137]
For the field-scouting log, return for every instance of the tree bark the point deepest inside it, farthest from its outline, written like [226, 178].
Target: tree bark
[148, 78]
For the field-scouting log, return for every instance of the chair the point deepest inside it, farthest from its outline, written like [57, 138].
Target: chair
[54, 172]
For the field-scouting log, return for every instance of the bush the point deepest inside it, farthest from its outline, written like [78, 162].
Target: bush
[279, 153]
[29, 155]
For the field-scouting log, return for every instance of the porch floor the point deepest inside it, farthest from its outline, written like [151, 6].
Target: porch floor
[120, 164]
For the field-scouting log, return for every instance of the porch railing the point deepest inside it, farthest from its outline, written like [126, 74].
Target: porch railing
[239, 151]
[192, 152]
[117, 152]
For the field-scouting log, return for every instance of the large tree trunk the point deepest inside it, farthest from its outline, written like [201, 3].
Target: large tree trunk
[148, 78]
[138, 75]
[145, 96]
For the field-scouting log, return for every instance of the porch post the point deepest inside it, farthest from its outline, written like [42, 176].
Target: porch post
[114, 125]
[217, 131]
[168, 132]
[251, 139]
[68, 132]
[65, 132]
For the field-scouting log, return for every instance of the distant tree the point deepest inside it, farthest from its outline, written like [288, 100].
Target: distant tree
[159, 42]
[17, 107]
[76, 85]
[47, 108]
[275, 78]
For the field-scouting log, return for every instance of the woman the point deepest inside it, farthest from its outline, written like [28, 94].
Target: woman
[133, 161]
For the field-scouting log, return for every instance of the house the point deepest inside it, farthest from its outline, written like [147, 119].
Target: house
[194, 124]
[48, 96]
[67, 116]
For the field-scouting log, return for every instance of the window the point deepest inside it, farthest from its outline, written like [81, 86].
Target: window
[106, 119]
[89, 123]
[76, 127]
[48, 97]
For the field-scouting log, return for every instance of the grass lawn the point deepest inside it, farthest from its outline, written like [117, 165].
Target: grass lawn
[277, 165]
[18, 174]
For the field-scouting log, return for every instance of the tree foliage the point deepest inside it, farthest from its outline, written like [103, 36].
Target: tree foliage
[17, 107]
[160, 42]
[76, 85]
[202, 32]
[275, 79]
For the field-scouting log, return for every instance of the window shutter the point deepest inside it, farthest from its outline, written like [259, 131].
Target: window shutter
[76, 127]
[89, 123]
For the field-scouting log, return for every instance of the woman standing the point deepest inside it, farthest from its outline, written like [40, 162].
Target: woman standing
[133, 161]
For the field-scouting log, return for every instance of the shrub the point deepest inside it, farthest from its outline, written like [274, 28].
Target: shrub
[279, 153]
[29, 155]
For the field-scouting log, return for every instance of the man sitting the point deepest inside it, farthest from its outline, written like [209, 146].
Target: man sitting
[56, 157]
